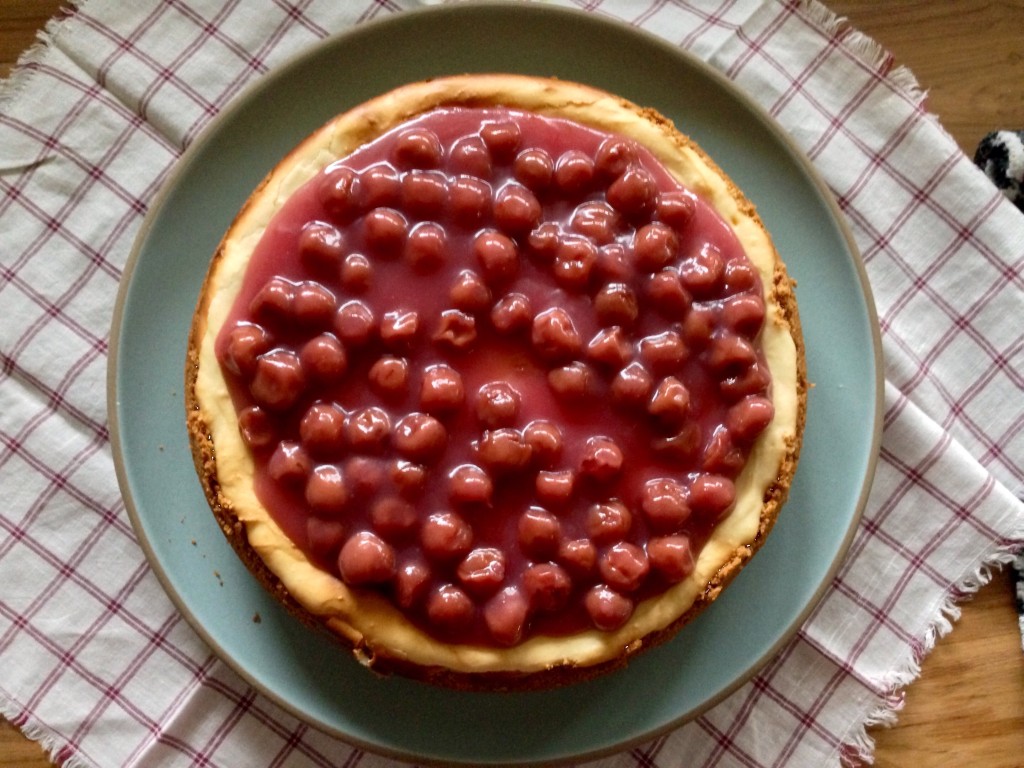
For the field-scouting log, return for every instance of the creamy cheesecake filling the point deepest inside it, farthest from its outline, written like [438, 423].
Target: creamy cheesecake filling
[574, 399]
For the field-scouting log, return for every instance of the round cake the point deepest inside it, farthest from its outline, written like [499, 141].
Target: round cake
[499, 379]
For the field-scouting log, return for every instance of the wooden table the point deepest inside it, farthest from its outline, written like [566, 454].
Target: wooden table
[967, 708]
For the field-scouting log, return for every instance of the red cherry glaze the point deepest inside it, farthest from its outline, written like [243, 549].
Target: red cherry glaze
[500, 368]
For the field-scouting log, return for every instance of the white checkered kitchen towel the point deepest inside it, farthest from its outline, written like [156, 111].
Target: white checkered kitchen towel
[95, 661]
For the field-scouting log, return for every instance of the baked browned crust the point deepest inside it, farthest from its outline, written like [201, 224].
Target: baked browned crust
[364, 123]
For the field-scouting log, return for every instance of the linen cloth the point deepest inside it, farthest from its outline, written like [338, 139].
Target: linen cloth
[96, 663]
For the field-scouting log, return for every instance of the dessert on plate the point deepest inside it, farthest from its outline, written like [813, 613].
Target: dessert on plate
[498, 378]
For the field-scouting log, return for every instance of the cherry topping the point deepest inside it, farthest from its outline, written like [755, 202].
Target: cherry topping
[664, 502]
[449, 608]
[574, 172]
[426, 250]
[420, 437]
[417, 148]
[469, 200]
[367, 429]
[512, 312]
[702, 274]
[289, 464]
[749, 417]
[356, 273]
[676, 208]
[534, 169]
[497, 404]
[506, 616]
[671, 556]
[597, 221]
[339, 193]
[278, 381]
[469, 484]
[470, 156]
[313, 305]
[670, 402]
[497, 255]
[608, 609]
[608, 522]
[411, 582]
[364, 477]
[624, 566]
[322, 430]
[456, 330]
[610, 347]
[320, 245]
[509, 381]
[503, 450]
[482, 571]
[543, 241]
[743, 314]
[663, 352]
[389, 376]
[573, 383]
[424, 193]
[616, 304]
[385, 230]
[246, 343]
[398, 328]
[324, 537]
[516, 209]
[393, 517]
[613, 157]
[323, 359]
[366, 559]
[326, 491]
[355, 322]
[445, 536]
[730, 355]
[554, 334]
[555, 488]
[578, 556]
[712, 495]
[655, 246]
[634, 193]
[544, 439]
[575, 260]
[502, 138]
[547, 586]
[274, 301]
[256, 427]
[409, 478]
[539, 533]
[469, 292]
[666, 291]
[381, 186]
[632, 385]
[441, 389]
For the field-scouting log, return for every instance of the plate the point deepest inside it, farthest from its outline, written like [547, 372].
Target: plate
[303, 671]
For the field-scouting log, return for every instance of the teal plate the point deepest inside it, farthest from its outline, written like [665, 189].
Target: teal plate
[304, 672]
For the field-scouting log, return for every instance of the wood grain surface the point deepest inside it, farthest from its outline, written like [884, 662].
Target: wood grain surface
[967, 708]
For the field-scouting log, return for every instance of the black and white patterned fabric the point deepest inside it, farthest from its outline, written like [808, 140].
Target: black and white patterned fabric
[1018, 573]
[1001, 156]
